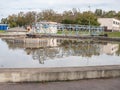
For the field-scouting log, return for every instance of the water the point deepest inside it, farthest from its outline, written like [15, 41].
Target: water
[58, 53]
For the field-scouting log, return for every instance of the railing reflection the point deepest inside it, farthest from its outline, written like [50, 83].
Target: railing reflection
[52, 48]
[66, 48]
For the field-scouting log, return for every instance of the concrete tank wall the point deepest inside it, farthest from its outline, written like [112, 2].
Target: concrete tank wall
[58, 74]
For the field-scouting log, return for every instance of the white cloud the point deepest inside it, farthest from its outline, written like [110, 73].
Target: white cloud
[14, 6]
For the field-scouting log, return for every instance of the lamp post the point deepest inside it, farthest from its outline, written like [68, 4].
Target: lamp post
[35, 25]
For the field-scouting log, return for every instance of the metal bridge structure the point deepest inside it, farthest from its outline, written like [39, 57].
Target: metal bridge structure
[66, 29]
[73, 29]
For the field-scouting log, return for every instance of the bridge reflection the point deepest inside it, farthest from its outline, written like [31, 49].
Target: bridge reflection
[52, 48]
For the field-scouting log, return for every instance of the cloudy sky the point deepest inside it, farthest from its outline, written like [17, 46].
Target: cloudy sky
[8, 7]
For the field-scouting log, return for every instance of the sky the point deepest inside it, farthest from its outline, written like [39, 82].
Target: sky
[8, 7]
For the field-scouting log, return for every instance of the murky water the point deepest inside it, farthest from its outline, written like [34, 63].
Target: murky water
[58, 53]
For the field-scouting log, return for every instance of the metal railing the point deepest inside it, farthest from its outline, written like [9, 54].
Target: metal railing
[67, 29]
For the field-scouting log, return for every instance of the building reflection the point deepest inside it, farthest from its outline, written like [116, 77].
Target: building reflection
[109, 49]
[52, 48]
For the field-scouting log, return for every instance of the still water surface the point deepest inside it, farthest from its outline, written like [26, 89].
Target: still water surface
[58, 53]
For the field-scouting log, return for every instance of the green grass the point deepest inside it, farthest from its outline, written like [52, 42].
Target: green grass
[2, 31]
[110, 34]
[113, 34]
[72, 32]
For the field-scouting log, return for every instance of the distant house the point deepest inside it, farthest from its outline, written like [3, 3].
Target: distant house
[3, 26]
[111, 24]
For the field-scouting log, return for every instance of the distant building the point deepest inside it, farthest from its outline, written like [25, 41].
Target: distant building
[3, 26]
[17, 30]
[44, 27]
[111, 24]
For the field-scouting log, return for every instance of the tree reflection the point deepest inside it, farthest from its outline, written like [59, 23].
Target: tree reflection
[65, 48]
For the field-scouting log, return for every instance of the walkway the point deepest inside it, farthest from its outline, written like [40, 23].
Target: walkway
[96, 84]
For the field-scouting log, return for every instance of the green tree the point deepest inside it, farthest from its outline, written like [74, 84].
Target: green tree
[21, 19]
[30, 18]
[118, 15]
[12, 20]
[89, 18]
[73, 16]
[4, 21]
[48, 15]
[110, 14]
[98, 12]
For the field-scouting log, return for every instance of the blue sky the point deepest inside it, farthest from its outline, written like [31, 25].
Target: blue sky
[14, 6]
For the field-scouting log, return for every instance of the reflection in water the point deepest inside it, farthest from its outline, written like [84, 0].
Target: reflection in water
[118, 51]
[52, 48]
[109, 49]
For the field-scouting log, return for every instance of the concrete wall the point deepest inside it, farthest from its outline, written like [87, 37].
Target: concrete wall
[106, 22]
[58, 74]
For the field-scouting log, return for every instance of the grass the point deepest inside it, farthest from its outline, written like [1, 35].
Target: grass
[113, 34]
[2, 31]
[110, 34]
[72, 32]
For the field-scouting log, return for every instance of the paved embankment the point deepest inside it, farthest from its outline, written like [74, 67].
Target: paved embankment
[62, 36]
[12, 35]
[108, 38]
[58, 74]
[95, 84]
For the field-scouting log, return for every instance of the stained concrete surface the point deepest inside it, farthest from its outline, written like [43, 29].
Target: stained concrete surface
[94, 84]
[58, 74]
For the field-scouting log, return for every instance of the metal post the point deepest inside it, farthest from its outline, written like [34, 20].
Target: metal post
[35, 23]
[89, 17]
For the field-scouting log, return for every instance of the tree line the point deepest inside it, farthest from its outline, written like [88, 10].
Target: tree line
[73, 16]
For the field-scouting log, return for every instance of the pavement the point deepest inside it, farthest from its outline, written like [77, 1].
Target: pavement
[94, 84]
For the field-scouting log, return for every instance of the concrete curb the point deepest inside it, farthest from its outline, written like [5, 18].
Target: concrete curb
[58, 74]
[65, 36]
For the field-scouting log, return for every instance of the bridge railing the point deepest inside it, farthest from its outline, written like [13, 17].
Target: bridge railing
[68, 29]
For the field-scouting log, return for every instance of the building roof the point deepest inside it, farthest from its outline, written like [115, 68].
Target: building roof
[45, 22]
[109, 18]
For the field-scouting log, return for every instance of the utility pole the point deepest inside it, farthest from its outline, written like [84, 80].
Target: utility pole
[35, 18]
[35, 25]
[89, 16]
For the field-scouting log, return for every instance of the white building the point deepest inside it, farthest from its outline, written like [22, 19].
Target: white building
[43, 27]
[112, 24]
[46, 27]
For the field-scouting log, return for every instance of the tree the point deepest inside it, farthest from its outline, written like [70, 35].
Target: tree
[118, 15]
[21, 19]
[99, 12]
[89, 18]
[110, 14]
[30, 18]
[4, 21]
[73, 16]
[12, 19]
[48, 15]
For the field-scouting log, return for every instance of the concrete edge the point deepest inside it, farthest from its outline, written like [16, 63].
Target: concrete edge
[58, 74]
